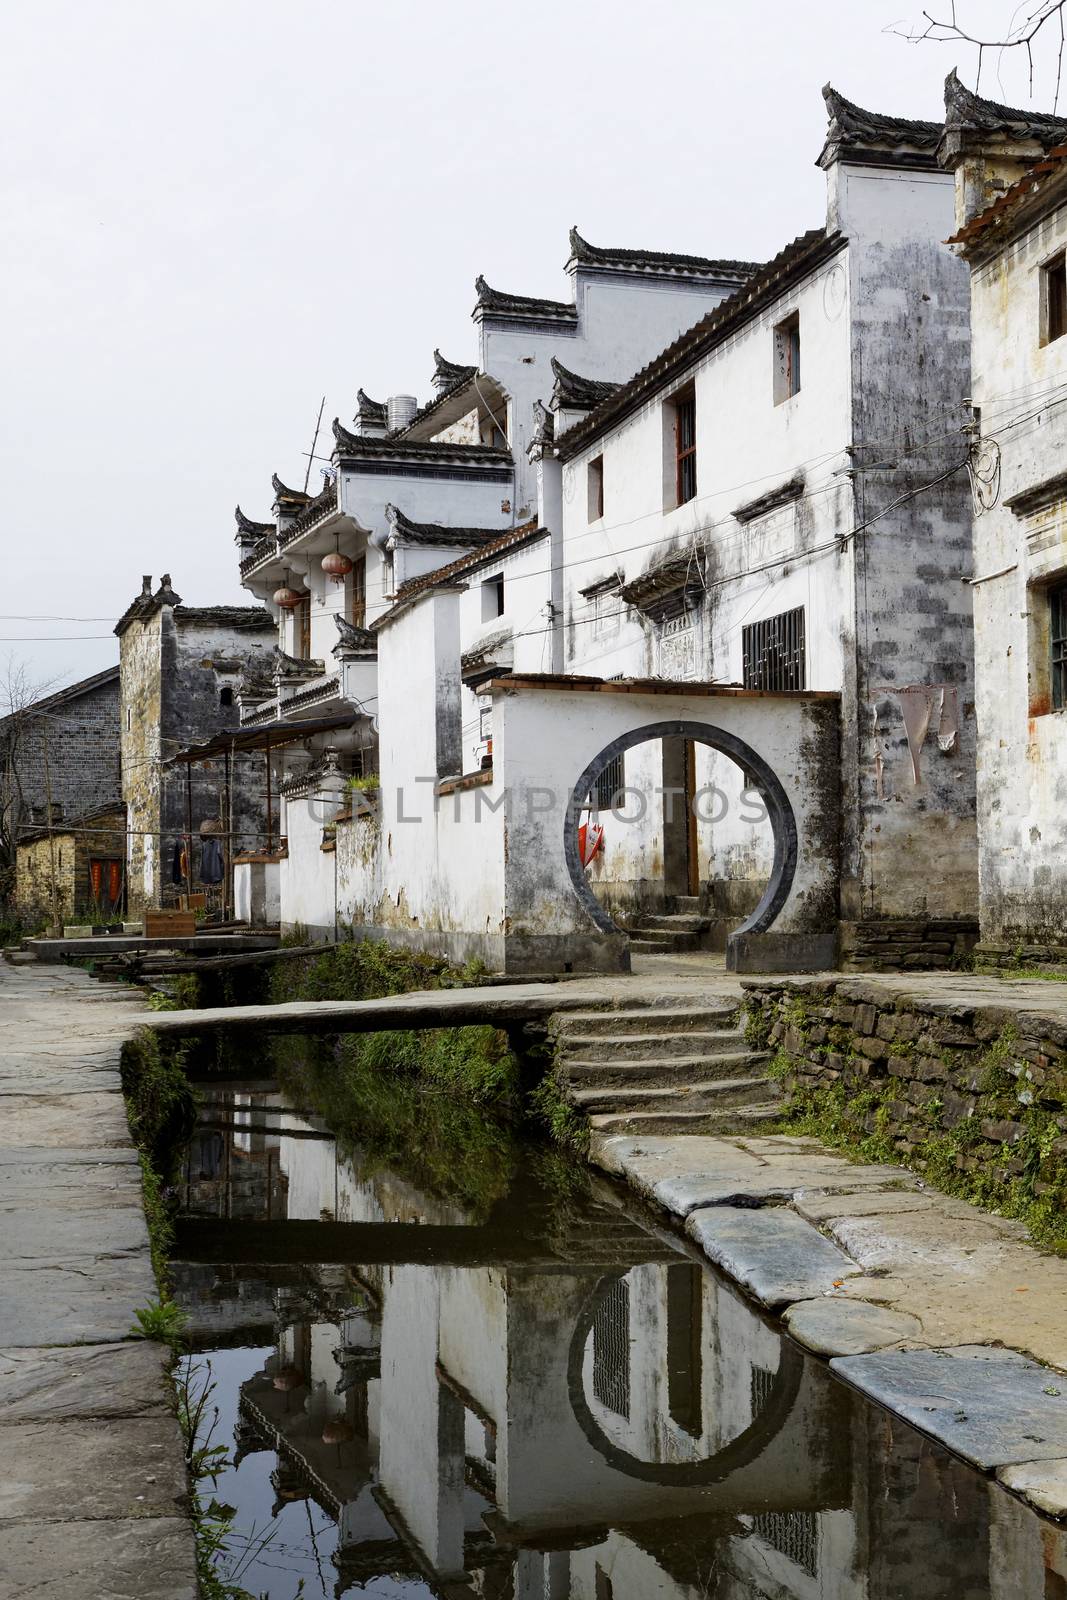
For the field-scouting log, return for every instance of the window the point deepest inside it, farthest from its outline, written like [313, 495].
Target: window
[611, 1349]
[1054, 299]
[685, 449]
[226, 697]
[772, 652]
[302, 618]
[685, 1295]
[358, 609]
[610, 784]
[787, 359]
[595, 484]
[492, 598]
[1057, 638]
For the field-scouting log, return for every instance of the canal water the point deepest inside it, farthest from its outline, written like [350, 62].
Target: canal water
[534, 1391]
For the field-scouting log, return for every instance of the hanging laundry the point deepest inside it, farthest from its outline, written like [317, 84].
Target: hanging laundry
[948, 722]
[917, 708]
[211, 863]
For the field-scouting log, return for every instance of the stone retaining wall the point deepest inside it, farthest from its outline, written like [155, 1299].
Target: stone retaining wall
[914, 943]
[977, 1095]
[1018, 957]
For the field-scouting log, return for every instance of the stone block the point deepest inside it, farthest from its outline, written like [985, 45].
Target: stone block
[773, 1253]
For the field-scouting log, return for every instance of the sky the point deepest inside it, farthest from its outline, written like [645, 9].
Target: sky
[216, 213]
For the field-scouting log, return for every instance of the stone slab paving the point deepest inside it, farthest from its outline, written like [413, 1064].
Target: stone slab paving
[92, 1476]
[891, 1280]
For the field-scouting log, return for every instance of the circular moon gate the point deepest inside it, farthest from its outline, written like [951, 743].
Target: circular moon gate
[779, 811]
[739, 1452]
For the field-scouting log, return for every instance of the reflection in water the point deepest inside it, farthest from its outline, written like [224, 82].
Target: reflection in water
[553, 1401]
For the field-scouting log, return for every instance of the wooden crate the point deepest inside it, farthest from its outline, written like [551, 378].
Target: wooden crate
[169, 924]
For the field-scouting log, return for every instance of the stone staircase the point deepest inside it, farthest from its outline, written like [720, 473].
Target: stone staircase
[684, 927]
[665, 1069]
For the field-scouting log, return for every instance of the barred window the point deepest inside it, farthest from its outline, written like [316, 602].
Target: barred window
[795, 1534]
[610, 784]
[611, 1349]
[773, 653]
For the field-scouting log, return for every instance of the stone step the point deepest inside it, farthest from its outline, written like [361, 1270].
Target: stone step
[674, 922]
[656, 1021]
[658, 1074]
[687, 904]
[611, 1047]
[664, 945]
[719, 1124]
[708, 1094]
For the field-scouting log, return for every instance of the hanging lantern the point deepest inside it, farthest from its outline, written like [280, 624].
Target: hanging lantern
[335, 565]
[287, 597]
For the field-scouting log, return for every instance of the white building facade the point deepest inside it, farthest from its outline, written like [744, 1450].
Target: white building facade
[1011, 176]
[759, 536]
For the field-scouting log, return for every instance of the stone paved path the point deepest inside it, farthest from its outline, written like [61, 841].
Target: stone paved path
[92, 1476]
[943, 1313]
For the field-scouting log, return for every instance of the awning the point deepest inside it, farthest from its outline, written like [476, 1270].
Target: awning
[270, 737]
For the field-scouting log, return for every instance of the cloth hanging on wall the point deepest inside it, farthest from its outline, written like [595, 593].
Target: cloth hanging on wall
[212, 869]
[179, 867]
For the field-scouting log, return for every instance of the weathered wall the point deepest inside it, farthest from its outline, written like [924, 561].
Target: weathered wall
[170, 699]
[964, 1094]
[102, 836]
[78, 732]
[1022, 755]
[911, 845]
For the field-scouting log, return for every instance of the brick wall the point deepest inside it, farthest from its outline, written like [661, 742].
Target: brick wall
[82, 738]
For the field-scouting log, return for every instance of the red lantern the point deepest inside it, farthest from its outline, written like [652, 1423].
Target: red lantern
[336, 566]
[287, 598]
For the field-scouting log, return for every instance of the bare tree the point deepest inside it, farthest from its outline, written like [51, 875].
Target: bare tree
[1024, 27]
[19, 694]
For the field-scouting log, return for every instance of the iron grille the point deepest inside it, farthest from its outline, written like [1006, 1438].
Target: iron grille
[611, 1349]
[762, 1382]
[772, 652]
[1058, 645]
[795, 1534]
[610, 784]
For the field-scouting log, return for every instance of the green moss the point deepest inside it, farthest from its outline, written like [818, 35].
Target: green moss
[781, 1067]
[563, 1121]
[160, 1110]
[757, 1026]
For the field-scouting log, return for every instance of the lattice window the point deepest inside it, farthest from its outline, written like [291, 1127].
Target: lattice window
[611, 1349]
[773, 653]
[794, 1534]
[762, 1382]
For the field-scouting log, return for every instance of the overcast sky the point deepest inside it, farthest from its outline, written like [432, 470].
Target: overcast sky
[217, 212]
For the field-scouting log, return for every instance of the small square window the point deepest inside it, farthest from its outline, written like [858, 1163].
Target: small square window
[595, 485]
[1057, 640]
[1054, 299]
[226, 696]
[787, 359]
[492, 598]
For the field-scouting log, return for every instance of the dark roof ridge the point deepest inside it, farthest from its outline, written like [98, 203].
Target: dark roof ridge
[437, 532]
[281, 492]
[1032, 183]
[496, 302]
[448, 373]
[356, 444]
[248, 528]
[466, 376]
[966, 109]
[586, 254]
[371, 410]
[250, 617]
[805, 252]
[573, 391]
[855, 126]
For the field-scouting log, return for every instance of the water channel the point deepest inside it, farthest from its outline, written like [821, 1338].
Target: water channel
[539, 1393]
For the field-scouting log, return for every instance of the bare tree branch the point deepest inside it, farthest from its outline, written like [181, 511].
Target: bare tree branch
[1024, 26]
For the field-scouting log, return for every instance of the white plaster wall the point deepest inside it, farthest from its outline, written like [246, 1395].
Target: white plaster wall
[1022, 743]
[307, 875]
[622, 323]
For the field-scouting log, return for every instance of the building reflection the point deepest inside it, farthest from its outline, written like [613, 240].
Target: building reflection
[584, 1413]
